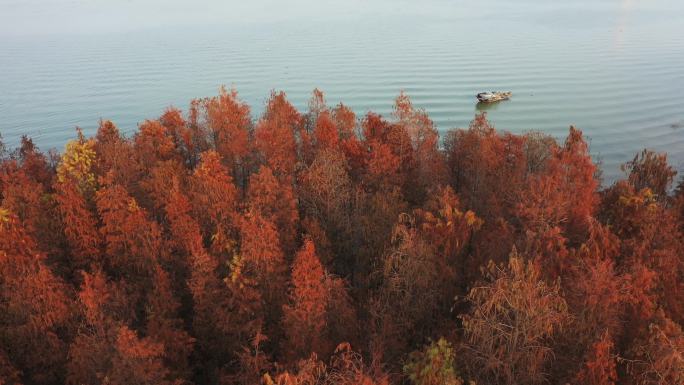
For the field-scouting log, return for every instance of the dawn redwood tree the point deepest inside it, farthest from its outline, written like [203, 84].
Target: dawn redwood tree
[225, 312]
[678, 204]
[132, 241]
[275, 201]
[657, 358]
[177, 128]
[390, 153]
[227, 121]
[429, 170]
[325, 196]
[578, 184]
[91, 350]
[422, 272]
[261, 254]
[410, 299]
[214, 200]
[133, 253]
[346, 367]
[317, 106]
[342, 318]
[164, 326]
[650, 170]
[116, 157]
[108, 351]
[374, 216]
[155, 187]
[509, 327]
[35, 207]
[152, 143]
[600, 365]
[555, 207]
[36, 165]
[35, 307]
[651, 246]
[274, 136]
[598, 297]
[304, 314]
[326, 132]
[32, 162]
[541, 211]
[487, 168]
[75, 189]
[382, 169]
[351, 144]
[309, 132]
[161, 163]
[137, 360]
[450, 230]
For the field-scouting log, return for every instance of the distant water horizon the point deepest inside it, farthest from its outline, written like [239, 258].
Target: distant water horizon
[614, 69]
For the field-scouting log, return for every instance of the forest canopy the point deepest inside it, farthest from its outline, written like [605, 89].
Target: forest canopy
[321, 247]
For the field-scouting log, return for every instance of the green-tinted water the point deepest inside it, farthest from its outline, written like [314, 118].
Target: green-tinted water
[613, 68]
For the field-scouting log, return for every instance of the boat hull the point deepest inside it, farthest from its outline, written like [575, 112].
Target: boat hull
[491, 97]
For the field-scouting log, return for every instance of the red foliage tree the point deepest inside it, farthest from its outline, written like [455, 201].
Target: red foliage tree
[578, 184]
[304, 316]
[650, 170]
[274, 136]
[650, 247]
[346, 368]
[261, 255]
[227, 120]
[226, 312]
[132, 241]
[164, 326]
[509, 327]
[350, 143]
[34, 162]
[213, 198]
[599, 367]
[183, 137]
[35, 208]
[108, 351]
[391, 157]
[116, 156]
[75, 190]
[275, 201]
[326, 132]
[326, 197]
[429, 170]
[35, 306]
[153, 143]
[487, 169]
[180, 240]
[658, 357]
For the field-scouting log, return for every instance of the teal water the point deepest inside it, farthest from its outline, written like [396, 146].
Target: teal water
[615, 69]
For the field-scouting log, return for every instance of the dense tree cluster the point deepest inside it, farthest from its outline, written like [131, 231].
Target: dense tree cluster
[320, 247]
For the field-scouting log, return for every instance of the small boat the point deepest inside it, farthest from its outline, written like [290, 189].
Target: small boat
[490, 97]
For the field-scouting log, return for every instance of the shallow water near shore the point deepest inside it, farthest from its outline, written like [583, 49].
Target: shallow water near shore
[615, 69]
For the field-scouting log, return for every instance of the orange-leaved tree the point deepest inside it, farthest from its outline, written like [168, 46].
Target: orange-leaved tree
[509, 328]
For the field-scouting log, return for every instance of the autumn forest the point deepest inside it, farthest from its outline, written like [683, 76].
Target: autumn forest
[321, 247]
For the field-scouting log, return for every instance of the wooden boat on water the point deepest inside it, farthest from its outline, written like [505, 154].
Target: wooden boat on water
[490, 97]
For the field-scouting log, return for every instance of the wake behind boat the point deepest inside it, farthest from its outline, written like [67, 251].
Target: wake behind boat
[490, 97]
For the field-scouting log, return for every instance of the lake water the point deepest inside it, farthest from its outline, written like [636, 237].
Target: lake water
[615, 69]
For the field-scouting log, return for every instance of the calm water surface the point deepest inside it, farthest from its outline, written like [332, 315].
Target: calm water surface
[613, 68]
